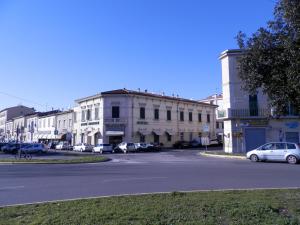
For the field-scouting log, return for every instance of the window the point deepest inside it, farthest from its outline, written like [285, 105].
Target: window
[169, 115]
[191, 136]
[142, 113]
[64, 123]
[199, 117]
[156, 138]
[59, 124]
[290, 146]
[96, 113]
[280, 146]
[208, 118]
[156, 114]
[48, 122]
[88, 115]
[269, 146]
[115, 112]
[217, 125]
[190, 116]
[181, 116]
[142, 138]
[82, 116]
[75, 117]
[169, 137]
[181, 136]
[253, 105]
[70, 123]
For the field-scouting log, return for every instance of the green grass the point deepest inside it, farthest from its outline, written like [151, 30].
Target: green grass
[209, 208]
[78, 159]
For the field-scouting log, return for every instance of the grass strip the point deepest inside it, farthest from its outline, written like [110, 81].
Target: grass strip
[209, 208]
[224, 153]
[78, 159]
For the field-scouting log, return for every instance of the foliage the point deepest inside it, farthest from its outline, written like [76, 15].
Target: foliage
[271, 59]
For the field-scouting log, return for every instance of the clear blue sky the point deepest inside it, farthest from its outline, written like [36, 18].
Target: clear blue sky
[55, 51]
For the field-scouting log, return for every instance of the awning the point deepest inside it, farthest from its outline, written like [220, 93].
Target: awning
[170, 132]
[114, 133]
[144, 132]
[157, 132]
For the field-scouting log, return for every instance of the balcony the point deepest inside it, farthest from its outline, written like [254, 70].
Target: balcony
[115, 121]
[244, 113]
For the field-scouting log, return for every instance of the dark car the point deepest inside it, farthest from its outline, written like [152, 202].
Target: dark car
[2, 144]
[195, 144]
[182, 144]
[11, 148]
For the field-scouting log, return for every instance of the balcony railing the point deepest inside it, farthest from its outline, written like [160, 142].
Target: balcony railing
[115, 121]
[244, 113]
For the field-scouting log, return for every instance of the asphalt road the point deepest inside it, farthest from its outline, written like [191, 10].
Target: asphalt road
[140, 173]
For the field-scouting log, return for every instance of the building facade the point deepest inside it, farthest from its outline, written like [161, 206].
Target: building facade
[10, 113]
[47, 127]
[248, 120]
[135, 116]
[64, 125]
[217, 99]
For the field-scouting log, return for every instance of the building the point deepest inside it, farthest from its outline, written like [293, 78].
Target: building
[248, 120]
[31, 130]
[64, 125]
[217, 99]
[47, 127]
[19, 124]
[140, 116]
[9, 134]
[10, 113]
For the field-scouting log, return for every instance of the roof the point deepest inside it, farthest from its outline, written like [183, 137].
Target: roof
[49, 113]
[18, 106]
[212, 97]
[147, 94]
[231, 52]
[65, 112]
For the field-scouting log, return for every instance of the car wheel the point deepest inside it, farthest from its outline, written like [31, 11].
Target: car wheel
[292, 159]
[254, 158]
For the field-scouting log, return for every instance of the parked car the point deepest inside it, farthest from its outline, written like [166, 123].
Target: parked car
[126, 147]
[182, 144]
[215, 142]
[34, 148]
[10, 148]
[2, 144]
[83, 147]
[101, 148]
[63, 145]
[195, 144]
[276, 151]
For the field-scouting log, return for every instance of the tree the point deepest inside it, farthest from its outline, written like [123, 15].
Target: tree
[271, 59]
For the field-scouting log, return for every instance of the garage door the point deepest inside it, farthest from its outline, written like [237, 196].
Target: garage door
[292, 137]
[254, 137]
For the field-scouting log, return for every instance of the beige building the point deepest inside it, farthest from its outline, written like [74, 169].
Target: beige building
[8, 114]
[64, 125]
[248, 120]
[136, 116]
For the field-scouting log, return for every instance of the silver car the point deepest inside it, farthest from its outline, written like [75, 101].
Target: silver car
[276, 151]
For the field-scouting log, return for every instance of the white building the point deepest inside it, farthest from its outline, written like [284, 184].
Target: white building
[64, 125]
[136, 116]
[31, 129]
[47, 129]
[217, 99]
[248, 119]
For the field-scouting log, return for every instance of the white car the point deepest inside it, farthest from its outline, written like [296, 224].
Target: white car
[276, 151]
[63, 145]
[83, 147]
[126, 147]
[101, 148]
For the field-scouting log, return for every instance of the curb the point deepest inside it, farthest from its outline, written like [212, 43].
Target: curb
[61, 163]
[223, 156]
